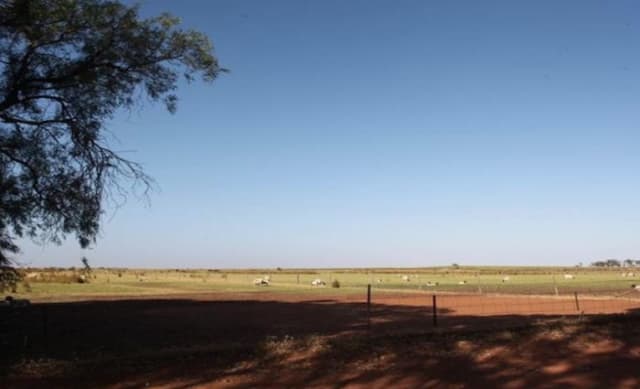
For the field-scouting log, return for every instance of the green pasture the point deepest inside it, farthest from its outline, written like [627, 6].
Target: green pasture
[45, 283]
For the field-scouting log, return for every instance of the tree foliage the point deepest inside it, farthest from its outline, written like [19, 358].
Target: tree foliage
[86, 268]
[610, 263]
[66, 67]
[9, 279]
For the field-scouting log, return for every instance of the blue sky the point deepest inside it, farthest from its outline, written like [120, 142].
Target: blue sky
[388, 133]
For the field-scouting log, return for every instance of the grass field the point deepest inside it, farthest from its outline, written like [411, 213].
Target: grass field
[51, 284]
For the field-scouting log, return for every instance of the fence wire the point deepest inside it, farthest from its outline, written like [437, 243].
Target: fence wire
[468, 310]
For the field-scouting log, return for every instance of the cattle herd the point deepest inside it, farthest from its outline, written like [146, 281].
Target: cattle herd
[266, 281]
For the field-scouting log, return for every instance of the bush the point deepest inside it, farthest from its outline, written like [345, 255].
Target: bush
[26, 286]
[335, 284]
[63, 277]
[9, 279]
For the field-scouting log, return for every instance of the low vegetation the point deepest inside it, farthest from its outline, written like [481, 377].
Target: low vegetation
[53, 283]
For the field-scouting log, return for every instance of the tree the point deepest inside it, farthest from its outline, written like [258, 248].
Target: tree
[66, 67]
[9, 279]
[613, 263]
[86, 268]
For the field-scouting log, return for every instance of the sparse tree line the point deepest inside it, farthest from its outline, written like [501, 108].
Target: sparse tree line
[616, 263]
[11, 278]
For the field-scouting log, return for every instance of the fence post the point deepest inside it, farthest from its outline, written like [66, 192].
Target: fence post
[45, 327]
[575, 294]
[369, 306]
[435, 311]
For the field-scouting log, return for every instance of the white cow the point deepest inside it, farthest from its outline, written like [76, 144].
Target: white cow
[462, 282]
[261, 282]
[429, 283]
[569, 276]
[506, 279]
[318, 282]
[406, 278]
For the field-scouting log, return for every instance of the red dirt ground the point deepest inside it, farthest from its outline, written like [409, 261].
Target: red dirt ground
[286, 340]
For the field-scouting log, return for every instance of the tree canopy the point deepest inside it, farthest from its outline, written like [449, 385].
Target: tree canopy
[66, 67]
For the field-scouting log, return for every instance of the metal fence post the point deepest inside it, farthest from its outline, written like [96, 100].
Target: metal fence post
[435, 311]
[369, 306]
[45, 327]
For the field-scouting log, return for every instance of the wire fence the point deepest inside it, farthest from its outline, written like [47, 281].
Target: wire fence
[445, 310]
[45, 327]
[607, 287]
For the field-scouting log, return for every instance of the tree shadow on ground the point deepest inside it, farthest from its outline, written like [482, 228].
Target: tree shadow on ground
[323, 342]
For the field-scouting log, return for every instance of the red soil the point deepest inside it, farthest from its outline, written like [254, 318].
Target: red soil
[286, 340]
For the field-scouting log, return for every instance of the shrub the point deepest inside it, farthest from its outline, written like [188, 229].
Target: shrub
[26, 286]
[335, 284]
[9, 279]
[63, 277]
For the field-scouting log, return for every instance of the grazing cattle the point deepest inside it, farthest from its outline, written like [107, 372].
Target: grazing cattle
[261, 282]
[267, 278]
[379, 280]
[429, 283]
[506, 279]
[636, 287]
[406, 278]
[569, 276]
[318, 282]
[462, 282]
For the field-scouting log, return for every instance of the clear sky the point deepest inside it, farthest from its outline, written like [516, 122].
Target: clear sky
[389, 133]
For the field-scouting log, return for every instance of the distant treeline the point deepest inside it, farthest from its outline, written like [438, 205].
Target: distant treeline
[455, 268]
[616, 263]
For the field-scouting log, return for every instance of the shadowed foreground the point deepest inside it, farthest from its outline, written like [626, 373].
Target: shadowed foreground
[312, 343]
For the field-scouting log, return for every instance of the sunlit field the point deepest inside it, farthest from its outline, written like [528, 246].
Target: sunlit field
[52, 284]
